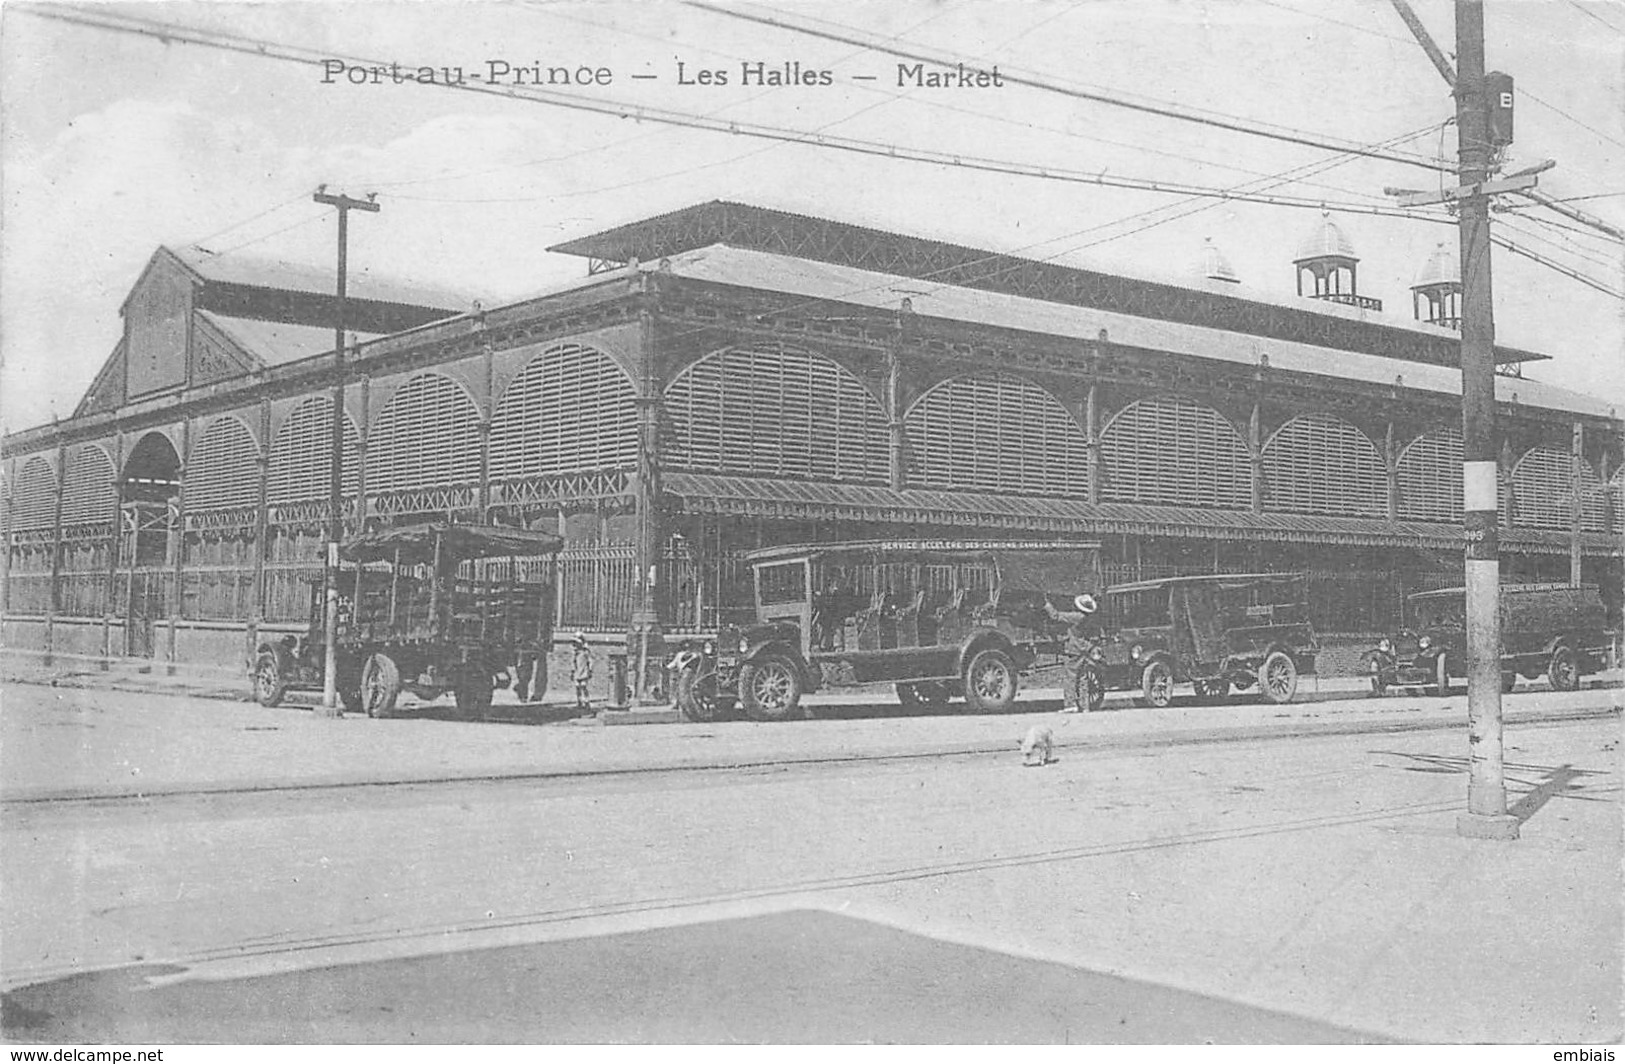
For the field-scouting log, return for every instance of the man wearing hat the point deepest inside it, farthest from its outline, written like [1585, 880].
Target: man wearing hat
[581, 670]
[1083, 632]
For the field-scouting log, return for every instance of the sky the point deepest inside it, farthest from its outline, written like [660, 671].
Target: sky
[113, 144]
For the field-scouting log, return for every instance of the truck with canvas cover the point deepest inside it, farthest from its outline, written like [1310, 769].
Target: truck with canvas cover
[425, 608]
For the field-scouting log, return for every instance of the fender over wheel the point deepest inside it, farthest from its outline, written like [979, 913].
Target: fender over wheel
[1278, 677]
[1564, 670]
[990, 681]
[380, 685]
[1156, 685]
[269, 683]
[697, 696]
[770, 689]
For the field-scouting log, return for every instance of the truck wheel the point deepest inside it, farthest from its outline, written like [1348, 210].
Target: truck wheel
[1211, 691]
[990, 682]
[1090, 693]
[697, 696]
[269, 684]
[380, 685]
[1564, 670]
[1156, 685]
[770, 689]
[1278, 677]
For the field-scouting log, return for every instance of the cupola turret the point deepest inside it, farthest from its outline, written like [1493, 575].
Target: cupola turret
[1436, 292]
[1326, 266]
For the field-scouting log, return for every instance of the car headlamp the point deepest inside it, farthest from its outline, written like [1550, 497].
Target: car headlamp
[1424, 642]
[744, 645]
[1386, 646]
[1096, 654]
[1136, 651]
[710, 649]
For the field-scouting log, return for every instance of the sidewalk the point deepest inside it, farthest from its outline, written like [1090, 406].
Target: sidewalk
[67, 742]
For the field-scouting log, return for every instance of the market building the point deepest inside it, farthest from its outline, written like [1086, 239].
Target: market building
[727, 376]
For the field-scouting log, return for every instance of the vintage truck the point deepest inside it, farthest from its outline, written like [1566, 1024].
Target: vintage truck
[1560, 630]
[1215, 632]
[426, 608]
[941, 619]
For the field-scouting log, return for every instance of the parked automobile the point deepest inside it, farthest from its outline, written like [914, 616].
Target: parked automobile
[1560, 630]
[425, 608]
[1215, 632]
[940, 619]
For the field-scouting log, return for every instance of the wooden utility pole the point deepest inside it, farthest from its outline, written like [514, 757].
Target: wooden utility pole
[1486, 815]
[335, 491]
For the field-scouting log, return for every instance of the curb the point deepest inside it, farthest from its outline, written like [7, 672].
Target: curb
[1133, 741]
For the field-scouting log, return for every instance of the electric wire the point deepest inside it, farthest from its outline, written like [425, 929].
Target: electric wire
[1037, 81]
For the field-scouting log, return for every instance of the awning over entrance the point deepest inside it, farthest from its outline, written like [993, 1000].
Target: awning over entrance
[792, 500]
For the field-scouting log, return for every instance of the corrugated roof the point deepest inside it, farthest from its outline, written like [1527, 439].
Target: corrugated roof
[360, 282]
[809, 279]
[275, 343]
[716, 493]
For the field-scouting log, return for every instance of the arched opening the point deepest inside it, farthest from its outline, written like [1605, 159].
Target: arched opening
[147, 488]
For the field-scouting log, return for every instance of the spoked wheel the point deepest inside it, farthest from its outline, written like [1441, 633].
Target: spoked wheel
[990, 682]
[927, 696]
[1210, 691]
[1564, 670]
[697, 696]
[1278, 677]
[1156, 685]
[1089, 692]
[269, 685]
[380, 685]
[770, 689]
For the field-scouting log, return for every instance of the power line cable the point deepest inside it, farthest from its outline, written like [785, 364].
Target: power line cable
[173, 32]
[848, 35]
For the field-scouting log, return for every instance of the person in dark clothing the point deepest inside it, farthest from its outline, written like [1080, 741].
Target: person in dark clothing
[1084, 630]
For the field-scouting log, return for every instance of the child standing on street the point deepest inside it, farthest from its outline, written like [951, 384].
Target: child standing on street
[581, 670]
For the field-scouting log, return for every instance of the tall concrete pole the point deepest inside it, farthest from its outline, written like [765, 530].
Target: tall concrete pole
[1486, 815]
[335, 489]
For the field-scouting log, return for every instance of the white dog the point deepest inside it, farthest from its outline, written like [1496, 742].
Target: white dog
[1038, 749]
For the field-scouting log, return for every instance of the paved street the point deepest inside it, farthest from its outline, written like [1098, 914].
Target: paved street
[1303, 889]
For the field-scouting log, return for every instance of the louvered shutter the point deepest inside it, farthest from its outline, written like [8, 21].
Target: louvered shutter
[774, 411]
[33, 497]
[301, 454]
[1543, 491]
[1171, 450]
[996, 432]
[223, 473]
[1320, 464]
[88, 493]
[427, 436]
[570, 409]
[1429, 473]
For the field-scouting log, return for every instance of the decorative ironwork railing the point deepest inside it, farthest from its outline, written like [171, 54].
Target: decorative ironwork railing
[1350, 300]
